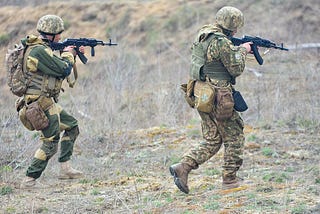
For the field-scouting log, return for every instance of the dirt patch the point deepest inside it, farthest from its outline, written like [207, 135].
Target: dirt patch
[281, 172]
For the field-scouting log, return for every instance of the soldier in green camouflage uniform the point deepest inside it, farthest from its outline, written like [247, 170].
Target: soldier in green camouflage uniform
[47, 71]
[228, 62]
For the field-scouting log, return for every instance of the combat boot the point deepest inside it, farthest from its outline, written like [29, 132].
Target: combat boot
[230, 183]
[67, 172]
[180, 173]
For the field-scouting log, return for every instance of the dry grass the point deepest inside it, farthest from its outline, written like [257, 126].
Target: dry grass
[128, 89]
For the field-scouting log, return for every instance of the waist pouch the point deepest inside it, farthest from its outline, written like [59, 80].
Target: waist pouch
[224, 103]
[204, 96]
[240, 104]
[36, 116]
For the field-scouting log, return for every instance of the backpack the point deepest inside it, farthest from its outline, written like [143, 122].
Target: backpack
[17, 78]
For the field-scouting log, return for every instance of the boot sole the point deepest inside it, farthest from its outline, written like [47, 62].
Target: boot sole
[177, 181]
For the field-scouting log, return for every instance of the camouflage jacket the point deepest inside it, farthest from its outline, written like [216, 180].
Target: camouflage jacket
[221, 49]
[41, 59]
[45, 69]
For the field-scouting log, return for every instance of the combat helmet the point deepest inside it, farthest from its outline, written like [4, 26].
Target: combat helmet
[50, 24]
[230, 18]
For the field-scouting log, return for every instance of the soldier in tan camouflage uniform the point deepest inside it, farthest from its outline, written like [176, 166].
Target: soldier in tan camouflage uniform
[47, 71]
[223, 63]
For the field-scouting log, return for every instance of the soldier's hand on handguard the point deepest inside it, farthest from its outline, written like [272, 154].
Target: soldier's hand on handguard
[247, 45]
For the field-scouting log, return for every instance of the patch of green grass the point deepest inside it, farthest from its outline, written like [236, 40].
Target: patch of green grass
[99, 200]
[4, 39]
[88, 181]
[275, 177]
[5, 190]
[213, 205]
[212, 172]
[317, 181]
[95, 192]
[194, 132]
[6, 168]
[190, 212]
[174, 159]
[299, 209]
[252, 138]
[290, 169]
[268, 152]
[194, 121]
[308, 124]
[264, 189]
[11, 210]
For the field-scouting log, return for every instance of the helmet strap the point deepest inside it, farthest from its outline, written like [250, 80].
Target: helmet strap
[45, 36]
[227, 32]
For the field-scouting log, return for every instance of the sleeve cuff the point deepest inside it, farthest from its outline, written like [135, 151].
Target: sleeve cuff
[68, 56]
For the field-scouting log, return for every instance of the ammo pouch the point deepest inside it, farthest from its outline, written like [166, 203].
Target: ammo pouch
[204, 96]
[240, 104]
[224, 103]
[21, 109]
[36, 116]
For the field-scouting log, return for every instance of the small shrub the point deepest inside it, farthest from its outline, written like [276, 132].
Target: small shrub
[267, 152]
[4, 39]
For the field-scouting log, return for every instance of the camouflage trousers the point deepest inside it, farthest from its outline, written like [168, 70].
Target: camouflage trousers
[229, 133]
[59, 121]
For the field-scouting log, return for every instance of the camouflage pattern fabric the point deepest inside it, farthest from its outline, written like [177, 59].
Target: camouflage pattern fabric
[230, 18]
[59, 121]
[228, 132]
[222, 50]
[50, 70]
[50, 24]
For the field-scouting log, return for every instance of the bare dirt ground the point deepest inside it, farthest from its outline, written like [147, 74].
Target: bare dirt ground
[281, 170]
[134, 122]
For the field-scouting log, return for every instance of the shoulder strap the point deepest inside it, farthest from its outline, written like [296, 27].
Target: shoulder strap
[26, 52]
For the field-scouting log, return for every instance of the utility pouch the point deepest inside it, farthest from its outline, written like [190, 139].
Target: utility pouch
[240, 104]
[204, 96]
[36, 116]
[23, 118]
[224, 103]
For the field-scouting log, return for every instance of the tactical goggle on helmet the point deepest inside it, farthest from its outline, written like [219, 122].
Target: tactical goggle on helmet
[50, 24]
[230, 18]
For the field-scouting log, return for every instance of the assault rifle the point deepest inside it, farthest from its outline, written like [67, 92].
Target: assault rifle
[256, 41]
[80, 42]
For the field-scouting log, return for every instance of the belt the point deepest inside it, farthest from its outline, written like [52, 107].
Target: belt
[219, 83]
